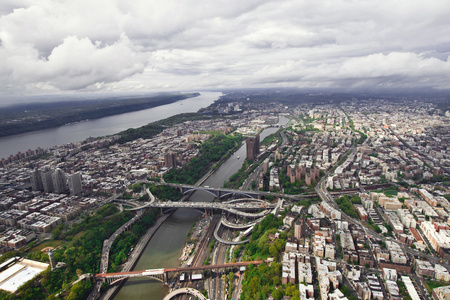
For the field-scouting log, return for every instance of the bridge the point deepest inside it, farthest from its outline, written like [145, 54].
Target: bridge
[216, 192]
[162, 274]
[248, 227]
[183, 291]
[226, 242]
[234, 208]
[222, 192]
[231, 225]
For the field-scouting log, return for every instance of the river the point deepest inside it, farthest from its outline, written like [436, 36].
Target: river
[100, 127]
[164, 249]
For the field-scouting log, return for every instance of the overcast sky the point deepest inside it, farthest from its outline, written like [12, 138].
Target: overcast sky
[79, 46]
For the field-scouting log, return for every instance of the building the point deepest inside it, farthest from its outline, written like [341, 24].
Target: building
[75, 185]
[47, 182]
[437, 237]
[288, 221]
[306, 291]
[363, 291]
[170, 160]
[428, 197]
[288, 269]
[441, 293]
[424, 268]
[361, 212]
[36, 180]
[329, 251]
[59, 182]
[252, 143]
[389, 274]
[266, 165]
[441, 273]
[304, 273]
[39, 222]
[299, 229]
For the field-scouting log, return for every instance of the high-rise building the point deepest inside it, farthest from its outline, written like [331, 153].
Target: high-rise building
[47, 181]
[299, 229]
[36, 180]
[59, 181]
[75, 185]
[266, 165]
[252, 147]
[170, 160]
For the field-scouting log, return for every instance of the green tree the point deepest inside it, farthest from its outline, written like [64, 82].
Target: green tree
[273, 252]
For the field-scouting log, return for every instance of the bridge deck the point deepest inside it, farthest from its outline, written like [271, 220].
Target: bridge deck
[142, 272]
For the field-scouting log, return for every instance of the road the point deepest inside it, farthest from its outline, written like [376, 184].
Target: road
[219, 258]
[183, 291]
[234, 208]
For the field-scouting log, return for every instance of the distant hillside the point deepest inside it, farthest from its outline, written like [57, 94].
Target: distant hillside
[37, 116]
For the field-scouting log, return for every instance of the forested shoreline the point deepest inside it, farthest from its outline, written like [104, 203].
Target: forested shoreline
[32, 117]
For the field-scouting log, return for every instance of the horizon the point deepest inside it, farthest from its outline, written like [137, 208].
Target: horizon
[412, 94]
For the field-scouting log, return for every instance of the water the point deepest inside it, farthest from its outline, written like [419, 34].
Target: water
[100, 127]
[164, 249]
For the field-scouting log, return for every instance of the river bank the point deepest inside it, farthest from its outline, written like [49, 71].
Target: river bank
[36, 116]
[77, 132]
[136, 254]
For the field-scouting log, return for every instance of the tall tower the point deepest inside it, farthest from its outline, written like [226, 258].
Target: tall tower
[59, 181]
[170, 160]
[47, 182]
[36, 180]
[252, 143]
[75, 185]
[52, 259]
[266, 165]
[299, 229]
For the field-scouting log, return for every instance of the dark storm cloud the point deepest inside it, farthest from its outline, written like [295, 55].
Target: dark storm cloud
[53, 46]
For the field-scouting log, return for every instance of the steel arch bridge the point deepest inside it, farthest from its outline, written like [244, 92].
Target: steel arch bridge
[219, 193]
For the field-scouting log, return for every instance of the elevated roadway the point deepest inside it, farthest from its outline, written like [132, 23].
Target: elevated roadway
[162, 273]
[235, 226]
[234, 208]
[222, 192]
[184, 291]
[226, 242]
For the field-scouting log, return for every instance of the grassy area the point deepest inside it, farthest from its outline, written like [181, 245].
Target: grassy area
[432, 284]
[259, 256]
[52, 243]
[391, 193]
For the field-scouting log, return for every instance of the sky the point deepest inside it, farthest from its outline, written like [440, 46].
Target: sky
[104, 46]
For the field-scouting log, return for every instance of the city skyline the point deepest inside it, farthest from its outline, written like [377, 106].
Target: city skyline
[333, 193]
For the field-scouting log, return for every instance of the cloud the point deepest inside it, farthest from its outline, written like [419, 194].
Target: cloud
[404, 69]
[77, 63]
[54, 46]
